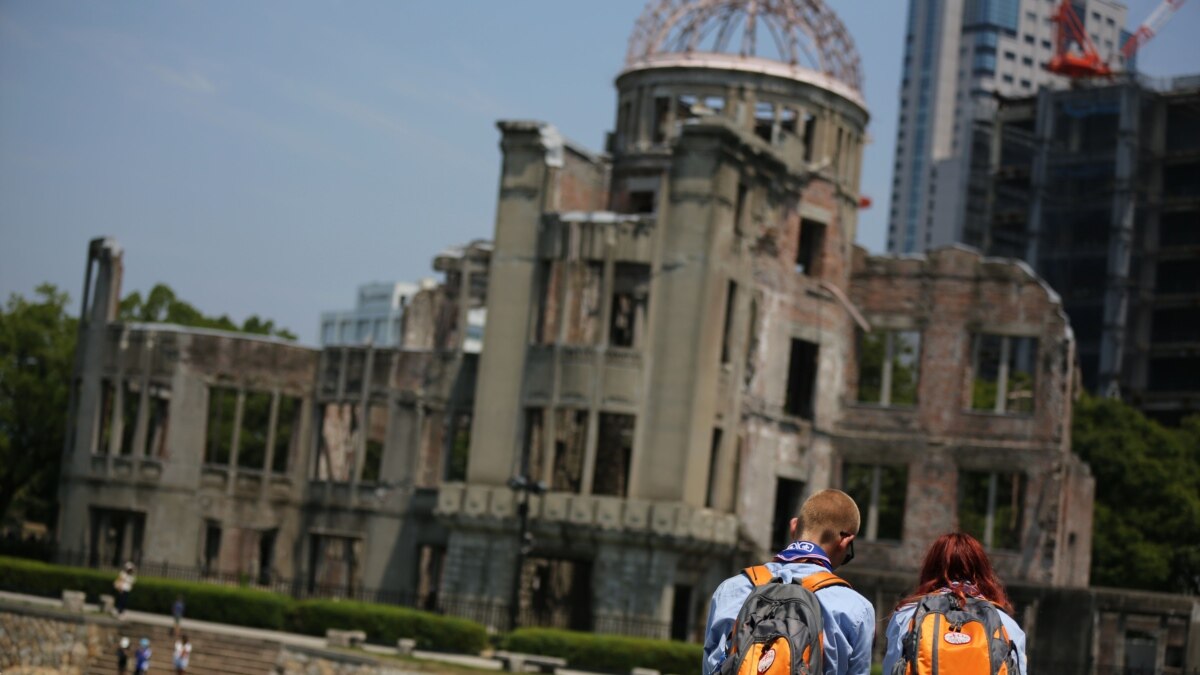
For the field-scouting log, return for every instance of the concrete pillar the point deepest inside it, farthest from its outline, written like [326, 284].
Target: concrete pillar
[532, 158]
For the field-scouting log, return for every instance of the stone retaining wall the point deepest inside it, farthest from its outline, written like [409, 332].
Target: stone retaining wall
[38, 641]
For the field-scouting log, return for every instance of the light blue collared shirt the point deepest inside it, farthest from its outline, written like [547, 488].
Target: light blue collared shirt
[898, 626]
[849, 621]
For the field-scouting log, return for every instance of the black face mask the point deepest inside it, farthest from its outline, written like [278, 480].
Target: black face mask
[850, 550]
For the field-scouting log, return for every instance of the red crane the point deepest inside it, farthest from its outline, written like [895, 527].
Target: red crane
[1075, 55]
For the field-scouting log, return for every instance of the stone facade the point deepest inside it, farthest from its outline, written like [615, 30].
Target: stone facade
[41, 643]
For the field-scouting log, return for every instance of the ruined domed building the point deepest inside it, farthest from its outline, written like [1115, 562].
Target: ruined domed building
[682, 342]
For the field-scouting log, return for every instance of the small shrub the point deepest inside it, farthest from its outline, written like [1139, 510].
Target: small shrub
[209, 602]
[613, 653]
[384, 624]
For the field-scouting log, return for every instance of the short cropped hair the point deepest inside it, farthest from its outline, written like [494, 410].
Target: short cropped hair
[827, 513]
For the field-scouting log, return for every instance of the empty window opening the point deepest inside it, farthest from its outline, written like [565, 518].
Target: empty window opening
[212, 547]
[879, 490]
[116, 536]
[338, 437]
[802, 377]
[570, 445]
[256, 420]
[764, 120]
[990, 507]
[787, 120]
[377, 426]
[1003, 368]
[158, 422]
[556, 593]
[739, 207]
[809, 247]
[641, 201]
[458, 444]
[714, 105]
[107, 403]
[614, 448]
[287, 433]
[789, 494]
[550, 274]
[222, 411]
[430, 561]
[727, 330]
[334, 565]
[681, 612]
[888, 367]
[662, 115]
[131, 397]
[266, 555]
[631, 290]
[810, 126]
[714, 458]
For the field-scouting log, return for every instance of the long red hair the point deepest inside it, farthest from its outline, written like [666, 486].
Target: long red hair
[959, 557]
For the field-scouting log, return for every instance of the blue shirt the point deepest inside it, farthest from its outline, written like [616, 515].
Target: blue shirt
[849, 621]
[898, 626]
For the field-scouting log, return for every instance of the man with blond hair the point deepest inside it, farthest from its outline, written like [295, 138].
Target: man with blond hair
[823, 539]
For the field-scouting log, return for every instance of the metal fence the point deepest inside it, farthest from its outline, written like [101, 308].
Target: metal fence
[491, 613]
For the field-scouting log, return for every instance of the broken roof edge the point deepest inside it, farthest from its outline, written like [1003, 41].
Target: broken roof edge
[552, 140]
[150, 326]
[1028, 271]
[604, 217]
[749, 64]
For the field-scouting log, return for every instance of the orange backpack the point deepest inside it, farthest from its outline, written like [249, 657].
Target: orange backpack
[779, 628]
[947, 635]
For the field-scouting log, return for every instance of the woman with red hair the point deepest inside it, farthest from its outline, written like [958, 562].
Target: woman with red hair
[955, 564]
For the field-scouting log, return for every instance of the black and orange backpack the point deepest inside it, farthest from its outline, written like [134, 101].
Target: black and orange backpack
[778, 631]
[947, 635]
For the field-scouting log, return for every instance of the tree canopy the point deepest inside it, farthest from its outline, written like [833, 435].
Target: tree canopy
[162, 306]
[1147, 516]
[37, 346]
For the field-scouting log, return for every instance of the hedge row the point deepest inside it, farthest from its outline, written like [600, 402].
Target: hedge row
[251, 607]
[614, 653]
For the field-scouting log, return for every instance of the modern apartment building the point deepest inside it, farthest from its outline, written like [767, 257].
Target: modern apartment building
[958, 55]
[376, 318]
[1098, 188]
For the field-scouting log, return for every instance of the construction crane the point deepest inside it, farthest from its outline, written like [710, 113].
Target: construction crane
[1084, 61]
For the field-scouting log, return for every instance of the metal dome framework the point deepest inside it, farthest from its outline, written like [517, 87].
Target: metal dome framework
[803, 33]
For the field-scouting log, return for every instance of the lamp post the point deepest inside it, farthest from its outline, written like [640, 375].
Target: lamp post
[524, 486]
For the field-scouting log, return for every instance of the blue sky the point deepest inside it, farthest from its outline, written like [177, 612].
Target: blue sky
[267, 157]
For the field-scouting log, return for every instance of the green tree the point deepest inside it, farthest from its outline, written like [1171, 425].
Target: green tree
[1147, 517]
[37, 346]
[161, 305]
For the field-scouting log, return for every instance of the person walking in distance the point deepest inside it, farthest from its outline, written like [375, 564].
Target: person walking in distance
[177, 613]
[123, 656]
[839, 623]
[124, 585]
[958, 617]
[183, 654]
[142, 657]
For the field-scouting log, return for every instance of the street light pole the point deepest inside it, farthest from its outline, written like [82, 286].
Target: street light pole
[525, 487]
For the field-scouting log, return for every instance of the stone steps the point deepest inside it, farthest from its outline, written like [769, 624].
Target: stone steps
[212, 654]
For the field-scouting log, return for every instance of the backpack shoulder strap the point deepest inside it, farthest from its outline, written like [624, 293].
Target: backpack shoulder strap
[818, 580]
[758, 574]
